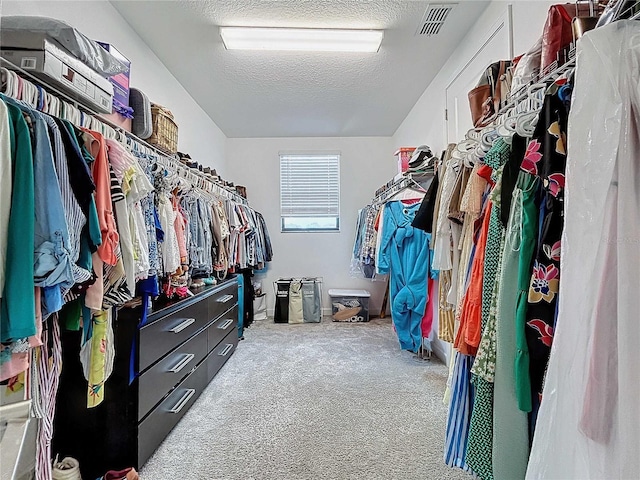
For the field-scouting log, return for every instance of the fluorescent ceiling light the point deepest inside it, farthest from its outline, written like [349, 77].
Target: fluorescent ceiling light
[301, 39]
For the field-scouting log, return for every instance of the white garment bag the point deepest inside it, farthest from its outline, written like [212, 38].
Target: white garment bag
[589, 422]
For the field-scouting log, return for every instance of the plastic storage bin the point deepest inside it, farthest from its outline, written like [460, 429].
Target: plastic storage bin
[404, 155]
[349, 305]
[120, 81]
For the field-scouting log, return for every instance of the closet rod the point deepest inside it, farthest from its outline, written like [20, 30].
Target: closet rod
[218, 187]
[398, 185]
[634, 15]
[523, 91]
[633, 12]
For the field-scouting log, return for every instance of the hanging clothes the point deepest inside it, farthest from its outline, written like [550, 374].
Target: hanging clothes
[75, 217]
[17, 312]
[479, 453]
[446, 253]
[405, 255]
[81, 226]
[52, 264]
[364, 251]
[119, 190]
[470, 329]
[462, 395]
[6, 182]
[510, 424]
[588, 421]
[546, 158]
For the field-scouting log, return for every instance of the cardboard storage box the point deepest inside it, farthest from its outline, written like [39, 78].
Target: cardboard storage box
[349, 305]
[56, 67]
[120, 81]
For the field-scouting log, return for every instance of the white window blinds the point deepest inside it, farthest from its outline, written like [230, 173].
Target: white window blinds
[310, 188]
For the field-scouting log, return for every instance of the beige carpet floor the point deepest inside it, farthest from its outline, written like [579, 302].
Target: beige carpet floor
[314, 401]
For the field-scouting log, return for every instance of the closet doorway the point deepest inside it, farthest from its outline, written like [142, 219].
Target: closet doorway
[497, 46]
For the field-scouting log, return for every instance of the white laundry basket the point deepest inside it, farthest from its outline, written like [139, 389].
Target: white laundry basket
[260, 307]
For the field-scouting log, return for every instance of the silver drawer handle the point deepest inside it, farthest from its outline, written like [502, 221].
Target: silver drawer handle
[226, 350]
[226, 324]
[224, 299]
[183, 401]
[183, 363]
[183, 325]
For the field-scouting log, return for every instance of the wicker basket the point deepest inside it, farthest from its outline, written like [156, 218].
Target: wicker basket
[165, 129]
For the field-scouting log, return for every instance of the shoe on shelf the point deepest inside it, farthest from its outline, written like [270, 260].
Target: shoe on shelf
[126, 474]
[66, 469]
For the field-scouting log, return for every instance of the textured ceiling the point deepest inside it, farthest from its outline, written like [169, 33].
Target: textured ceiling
[278, 94]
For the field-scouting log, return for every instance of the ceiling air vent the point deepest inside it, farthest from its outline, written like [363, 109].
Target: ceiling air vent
[434, 18]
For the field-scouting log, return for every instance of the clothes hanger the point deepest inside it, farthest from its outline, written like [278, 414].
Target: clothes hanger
[68, 111]
[54, 105]
[96, 125]
[528, 114]
[489, 135]
[502, 129]
[40, 106]
[76, 114]
[14, 85]
[4, 80]
[20, 86]
[466, 146]
[30, 94]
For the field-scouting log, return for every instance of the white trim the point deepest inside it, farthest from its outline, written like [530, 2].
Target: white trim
[441, 349]
[309, 152]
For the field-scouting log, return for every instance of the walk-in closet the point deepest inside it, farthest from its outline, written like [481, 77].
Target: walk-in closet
[303, 239]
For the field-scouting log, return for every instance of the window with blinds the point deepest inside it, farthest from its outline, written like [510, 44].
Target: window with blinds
[310, 192]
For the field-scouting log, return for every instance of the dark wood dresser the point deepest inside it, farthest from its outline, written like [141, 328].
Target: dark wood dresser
[160, 370]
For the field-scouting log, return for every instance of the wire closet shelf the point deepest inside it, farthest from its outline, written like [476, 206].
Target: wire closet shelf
[196, 177]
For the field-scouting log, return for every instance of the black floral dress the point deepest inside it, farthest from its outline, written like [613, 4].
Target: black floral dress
[546, 157]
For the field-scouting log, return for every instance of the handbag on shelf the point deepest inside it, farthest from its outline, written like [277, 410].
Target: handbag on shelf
[142, 125]
[490, 93]
[528, 67]
[558, 32]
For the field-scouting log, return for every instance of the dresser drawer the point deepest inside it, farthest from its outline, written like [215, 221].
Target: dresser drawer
[223, 300]
[153, 429]
[220, 354]
[156, 382]
[163, 335]
[226, 323]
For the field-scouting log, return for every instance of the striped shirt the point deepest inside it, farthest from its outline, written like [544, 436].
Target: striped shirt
[76, 219]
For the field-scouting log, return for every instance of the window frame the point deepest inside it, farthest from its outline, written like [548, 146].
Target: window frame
[336, 216]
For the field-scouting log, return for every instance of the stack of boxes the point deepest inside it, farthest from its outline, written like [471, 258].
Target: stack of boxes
[122, 113]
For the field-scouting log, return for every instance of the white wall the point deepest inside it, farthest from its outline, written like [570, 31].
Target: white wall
[425, 123]
[366, 163]
[198, 135]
